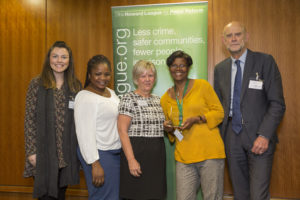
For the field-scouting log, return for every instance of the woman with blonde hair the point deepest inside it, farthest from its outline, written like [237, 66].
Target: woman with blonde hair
[140, 125]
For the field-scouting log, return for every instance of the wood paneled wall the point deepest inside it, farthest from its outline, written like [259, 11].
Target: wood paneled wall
[274, 28]
[22, 45]
[28, 28]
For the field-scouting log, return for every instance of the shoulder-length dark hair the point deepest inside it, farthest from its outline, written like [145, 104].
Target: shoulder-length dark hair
[47, 76]
[179, 54]
[93, 62]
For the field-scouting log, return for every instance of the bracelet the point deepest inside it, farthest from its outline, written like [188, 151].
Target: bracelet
[200, 118]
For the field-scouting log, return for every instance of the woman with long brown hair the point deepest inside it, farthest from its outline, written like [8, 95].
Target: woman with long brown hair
[50, 138]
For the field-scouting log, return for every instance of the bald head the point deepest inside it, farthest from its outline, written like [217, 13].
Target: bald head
[234, 38]
[234, 24]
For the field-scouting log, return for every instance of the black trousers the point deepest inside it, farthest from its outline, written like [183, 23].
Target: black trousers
[61, 195]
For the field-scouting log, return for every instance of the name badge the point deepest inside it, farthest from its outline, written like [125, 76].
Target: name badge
[71, 104]
[178, 134]
[142, 103]
[257, 85]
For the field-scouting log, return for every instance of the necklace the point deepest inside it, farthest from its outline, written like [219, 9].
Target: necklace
[104, 93]
[184, 90]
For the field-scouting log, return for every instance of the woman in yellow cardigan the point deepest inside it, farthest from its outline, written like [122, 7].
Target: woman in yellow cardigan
[193, 112]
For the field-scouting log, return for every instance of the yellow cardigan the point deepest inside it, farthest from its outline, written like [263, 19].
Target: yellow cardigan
[201, 141]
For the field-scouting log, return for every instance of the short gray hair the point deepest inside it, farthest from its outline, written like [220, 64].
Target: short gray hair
[140, 67]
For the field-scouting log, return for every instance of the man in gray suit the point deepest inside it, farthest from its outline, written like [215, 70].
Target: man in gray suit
[250, 89]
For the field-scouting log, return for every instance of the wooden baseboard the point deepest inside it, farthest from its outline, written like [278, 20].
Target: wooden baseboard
[15, 189]
[26, 189]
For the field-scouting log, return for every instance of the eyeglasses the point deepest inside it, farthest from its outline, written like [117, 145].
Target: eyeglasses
[177, 66]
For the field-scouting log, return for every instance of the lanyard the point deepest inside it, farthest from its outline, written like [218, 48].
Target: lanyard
[179, 104]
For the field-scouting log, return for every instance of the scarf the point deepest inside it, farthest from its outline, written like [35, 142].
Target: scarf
[48, 174]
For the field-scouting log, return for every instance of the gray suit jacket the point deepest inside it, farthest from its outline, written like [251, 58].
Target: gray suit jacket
[262, 110]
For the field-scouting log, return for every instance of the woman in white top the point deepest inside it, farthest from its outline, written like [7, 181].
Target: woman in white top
[96, 112]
